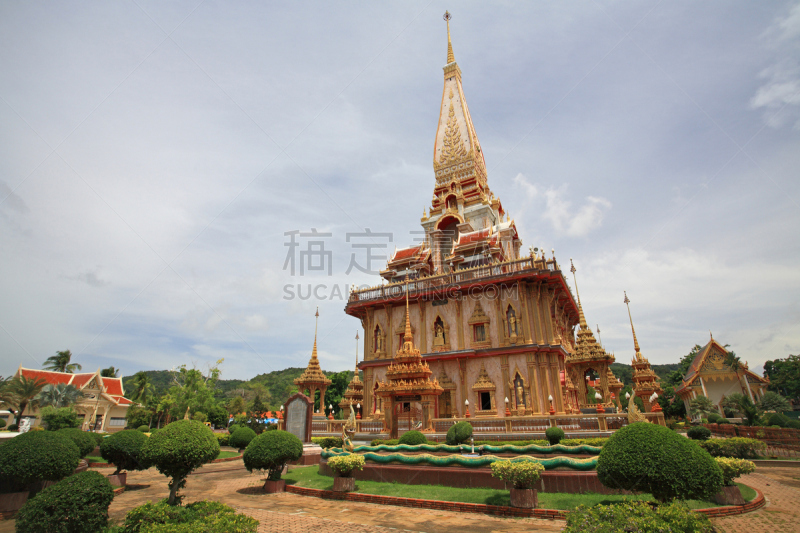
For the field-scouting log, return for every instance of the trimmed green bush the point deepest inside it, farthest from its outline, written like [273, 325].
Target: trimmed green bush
[793, 424]
[177, 450]
[522, 474]
[37, 456]
[64, 417]
[2, 423]
[83, 440]
[98, 437]
[738, 447]
[714, 418]
[699, 433]
[77, 504]
[206, 516]
[241, 437]
[413, 437]
[271, 451]
[343, 465]
[233, 427]
[324, 442]
[13, 427]
[554, 435]
[646, 457]
[387, 442]
[733, 468]
[637, 516]
[124, 450]
[459, 433]
[223, 438]
[143, 429]
[774, 419]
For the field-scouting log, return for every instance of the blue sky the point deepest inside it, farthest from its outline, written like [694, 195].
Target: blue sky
[153, 156]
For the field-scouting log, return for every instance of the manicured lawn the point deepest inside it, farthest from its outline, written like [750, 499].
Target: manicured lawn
[308, 476]
[94, 459]
[225, 455]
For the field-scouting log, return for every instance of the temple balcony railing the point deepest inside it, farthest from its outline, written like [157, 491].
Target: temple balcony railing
[442, 282]
[575, 423]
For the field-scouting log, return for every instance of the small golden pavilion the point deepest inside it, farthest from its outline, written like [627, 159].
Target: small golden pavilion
[313, 379]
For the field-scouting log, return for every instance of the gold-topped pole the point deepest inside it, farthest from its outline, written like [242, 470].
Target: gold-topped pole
[450, 57]
[635, 342]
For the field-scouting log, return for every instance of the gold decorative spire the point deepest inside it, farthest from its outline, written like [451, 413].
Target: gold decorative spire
[578, 295]
[450, 57]
[313, 373]
[407, 337]
[635, 342]
[357, 337]
[316, 323]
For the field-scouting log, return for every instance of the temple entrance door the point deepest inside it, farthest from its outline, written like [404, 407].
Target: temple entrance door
[445, 409]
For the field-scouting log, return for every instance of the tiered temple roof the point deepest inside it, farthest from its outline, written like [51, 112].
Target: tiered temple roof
[313, 376]
[645, 381]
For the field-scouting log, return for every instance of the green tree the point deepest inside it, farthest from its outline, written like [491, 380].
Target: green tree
[702, 406]
[257, 407]
[671, 404]
[138, 416]
[61, 362]
[59, 418]
[21, 391]
[142, 388]
[675, 378]
[61, 395]
[784, 376]
[110, 372]
[742, 405]
[772, 401]
[236, 405]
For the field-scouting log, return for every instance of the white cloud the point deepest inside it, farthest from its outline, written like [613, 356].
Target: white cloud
[574, 222]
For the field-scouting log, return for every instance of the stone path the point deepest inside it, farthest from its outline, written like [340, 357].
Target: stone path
[233, 485]
[781, 487]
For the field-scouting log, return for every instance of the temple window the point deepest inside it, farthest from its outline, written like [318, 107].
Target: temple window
[479, 322]
[486, 401]
[479, 333]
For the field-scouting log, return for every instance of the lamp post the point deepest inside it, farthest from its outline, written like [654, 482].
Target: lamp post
[358, 411]
[330, 411]
[466, 404]
[599, 398]
[656, 407]
[552, 411]
[508, 411]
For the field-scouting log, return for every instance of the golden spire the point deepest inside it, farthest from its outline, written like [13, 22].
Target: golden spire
[407, 337]
[578, 294]
[357, 353]
[635, 342]
[450, 57]
[316, 323]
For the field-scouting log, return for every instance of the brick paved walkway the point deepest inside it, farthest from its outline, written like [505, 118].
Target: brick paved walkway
[782, 513]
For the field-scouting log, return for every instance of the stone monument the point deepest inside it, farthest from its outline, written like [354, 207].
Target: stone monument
[299, 412]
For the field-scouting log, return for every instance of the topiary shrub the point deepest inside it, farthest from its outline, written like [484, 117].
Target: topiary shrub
[271, 451]
[124, 450]
[793, 424]
[637, 516]
[241, 437]
[646, 457]
[774, 419]
[83, 440]
[98, 437]
[459, 433]
[522, 474]
[739, 447]
[344, 465]
[2, 423]
[54, 419]
[13, 427]
[733, 468]
[143, 429]
[699, 433]
[177, 450]
[233, 427]
[222, 438]
[714, 418]
[325, 442]
[413, 437]
[206, 516]
[77, 504]
[554, 435]
[37, 456]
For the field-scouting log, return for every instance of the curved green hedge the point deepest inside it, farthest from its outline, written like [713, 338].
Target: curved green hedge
[460, 460]
[82, 439]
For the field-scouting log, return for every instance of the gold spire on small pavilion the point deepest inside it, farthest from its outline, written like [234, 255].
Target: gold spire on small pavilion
[450, 57]
[313, 373]
[408, 336]
[582, 318]
[635, 341]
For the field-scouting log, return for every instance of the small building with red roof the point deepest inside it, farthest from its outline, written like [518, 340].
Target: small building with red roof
[103, 406]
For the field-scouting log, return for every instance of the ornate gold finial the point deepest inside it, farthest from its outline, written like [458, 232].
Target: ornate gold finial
[357, 337]
[711, 334]
[635, 342]
[450, 57]
[582, 319]
[598, 334]
[407, 336]
[316, 323]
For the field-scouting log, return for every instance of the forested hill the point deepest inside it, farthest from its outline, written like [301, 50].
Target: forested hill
[624, 372]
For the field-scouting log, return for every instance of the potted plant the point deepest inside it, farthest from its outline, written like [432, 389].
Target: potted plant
[123, 450]
[523, 475]
[272, 451]
[343, 467]
[731, 469]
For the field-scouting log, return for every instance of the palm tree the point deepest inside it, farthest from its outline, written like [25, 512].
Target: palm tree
[23, 390]
[142, 388]
[60, 362]
[110, 372]
[60, 395]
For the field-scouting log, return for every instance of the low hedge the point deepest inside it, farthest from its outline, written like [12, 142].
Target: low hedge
[733, 468]
[459, 433]
[77, 504]
[327, 442]
[206, 516]
[344, 465]
[37, 456]
[646, 457]
[554, 435]
[82, 439]
[413, 437]
[385, 442]
[241, 437]
[637, 516]
[739, 447]
[124, 450]
[271, 451]
[522, 474]
[223, 438]
[699, 433]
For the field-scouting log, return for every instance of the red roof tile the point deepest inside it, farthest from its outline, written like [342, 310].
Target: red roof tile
[53, 378]
[406, 253]
[113, 386]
